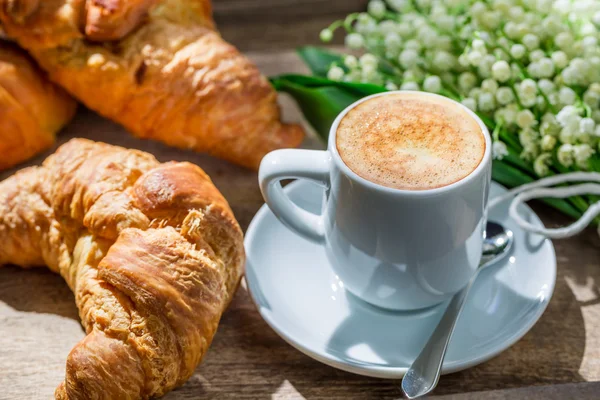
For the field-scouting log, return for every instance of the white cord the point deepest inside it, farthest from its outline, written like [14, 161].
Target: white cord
[540, 189]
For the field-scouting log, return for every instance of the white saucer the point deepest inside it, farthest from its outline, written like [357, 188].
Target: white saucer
[299, 296]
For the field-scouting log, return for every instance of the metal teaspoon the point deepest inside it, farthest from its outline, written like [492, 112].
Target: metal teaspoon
[424, 373]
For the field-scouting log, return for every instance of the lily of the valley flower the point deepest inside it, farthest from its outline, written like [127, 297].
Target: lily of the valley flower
[514, 62]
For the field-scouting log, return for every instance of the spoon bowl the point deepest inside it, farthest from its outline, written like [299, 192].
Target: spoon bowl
[496, 243]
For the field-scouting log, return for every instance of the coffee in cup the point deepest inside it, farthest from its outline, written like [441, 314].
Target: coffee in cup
[410, 141]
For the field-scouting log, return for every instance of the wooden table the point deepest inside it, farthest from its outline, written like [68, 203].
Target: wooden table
[39, 321]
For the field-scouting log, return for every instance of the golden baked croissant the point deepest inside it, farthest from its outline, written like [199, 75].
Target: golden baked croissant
[159, 68]
[32, 109]
[151, 251]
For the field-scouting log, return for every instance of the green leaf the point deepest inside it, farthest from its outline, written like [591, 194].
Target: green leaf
[594, 166]
[595, 162]
[320, 105]
[513, 158]
[511, 141]
[511, 177]
[319, 60]
[322, 100]
[508, 175]
[359, 89]
[578, 201]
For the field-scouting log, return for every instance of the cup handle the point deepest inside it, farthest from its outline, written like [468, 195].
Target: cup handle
[294, 164]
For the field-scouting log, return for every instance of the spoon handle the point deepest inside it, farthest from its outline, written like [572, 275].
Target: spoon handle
[424, 373]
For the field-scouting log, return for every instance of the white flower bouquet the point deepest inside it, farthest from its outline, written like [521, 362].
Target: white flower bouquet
[529, 68]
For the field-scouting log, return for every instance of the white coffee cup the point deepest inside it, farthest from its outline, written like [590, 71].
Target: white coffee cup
[396, 249]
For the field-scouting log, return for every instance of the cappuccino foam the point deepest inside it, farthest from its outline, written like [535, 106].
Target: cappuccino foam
[410, 141]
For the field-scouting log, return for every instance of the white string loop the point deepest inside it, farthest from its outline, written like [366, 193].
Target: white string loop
[541, 189]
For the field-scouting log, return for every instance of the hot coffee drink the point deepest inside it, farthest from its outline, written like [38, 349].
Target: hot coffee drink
[410, 141]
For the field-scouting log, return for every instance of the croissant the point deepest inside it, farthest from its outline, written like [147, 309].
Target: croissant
[157, 67]
[32, 109]
[151, 251]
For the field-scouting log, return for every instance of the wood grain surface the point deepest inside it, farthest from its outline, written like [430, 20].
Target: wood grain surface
[267, 25]
[247, 360]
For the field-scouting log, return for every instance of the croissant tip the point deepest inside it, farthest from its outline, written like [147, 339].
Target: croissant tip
[60, 393]
[296, 133]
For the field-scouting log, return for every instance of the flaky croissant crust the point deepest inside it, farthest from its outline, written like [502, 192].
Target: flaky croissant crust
[159, 68]
[151, 251]
[32, 109]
